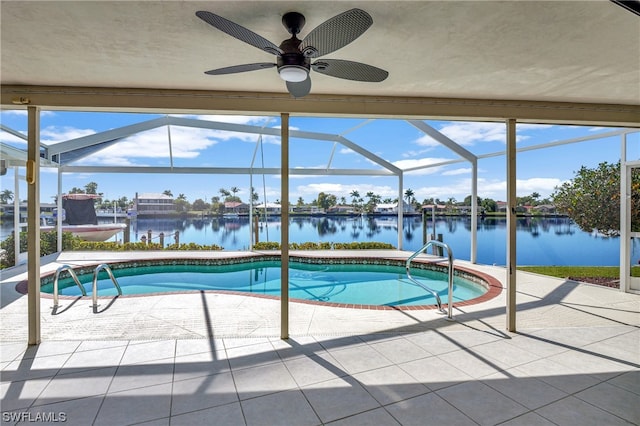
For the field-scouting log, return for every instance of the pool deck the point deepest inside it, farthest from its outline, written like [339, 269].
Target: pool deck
[212, 358]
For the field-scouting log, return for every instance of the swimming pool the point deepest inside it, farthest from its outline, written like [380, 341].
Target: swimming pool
[336, 282]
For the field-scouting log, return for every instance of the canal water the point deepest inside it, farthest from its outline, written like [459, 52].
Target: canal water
[540, 241]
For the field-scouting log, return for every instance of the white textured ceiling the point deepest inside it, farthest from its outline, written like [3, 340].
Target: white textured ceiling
[577, 51]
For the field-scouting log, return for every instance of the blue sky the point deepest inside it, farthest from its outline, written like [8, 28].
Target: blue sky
[394, 140]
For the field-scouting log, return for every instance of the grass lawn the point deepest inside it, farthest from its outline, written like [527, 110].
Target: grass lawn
[604, 275]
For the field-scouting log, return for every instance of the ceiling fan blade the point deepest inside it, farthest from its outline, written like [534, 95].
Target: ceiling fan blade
[335, 33]
[298, 90]
[239, 32]
[240, 68]
[350, 70]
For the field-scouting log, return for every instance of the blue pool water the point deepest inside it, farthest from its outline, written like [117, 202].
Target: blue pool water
[334, 283]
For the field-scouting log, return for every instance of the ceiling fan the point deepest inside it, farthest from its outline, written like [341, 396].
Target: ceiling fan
[294, 56]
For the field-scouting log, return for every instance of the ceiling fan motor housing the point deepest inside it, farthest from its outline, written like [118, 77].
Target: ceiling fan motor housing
[292, 54]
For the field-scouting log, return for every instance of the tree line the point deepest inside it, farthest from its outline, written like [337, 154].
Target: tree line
[591, 199]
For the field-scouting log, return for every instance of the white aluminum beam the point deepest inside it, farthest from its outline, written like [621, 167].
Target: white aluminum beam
[225, 170]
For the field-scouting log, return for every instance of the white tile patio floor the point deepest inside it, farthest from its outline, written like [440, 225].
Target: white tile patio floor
[211, 359]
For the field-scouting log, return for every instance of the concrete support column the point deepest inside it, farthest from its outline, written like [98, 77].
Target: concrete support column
[511, 225]
[33, 224]
[284, 229]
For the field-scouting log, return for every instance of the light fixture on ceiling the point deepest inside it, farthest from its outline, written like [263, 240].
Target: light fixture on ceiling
[293, 73]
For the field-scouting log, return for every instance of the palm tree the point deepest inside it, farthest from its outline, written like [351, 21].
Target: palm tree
[168, 192]
[91, 188]
[450, 203]
[224, 192]
[6, 196]
[409, 195]
[123, 202]
[535, 196]
[355, 195]
[255, 197]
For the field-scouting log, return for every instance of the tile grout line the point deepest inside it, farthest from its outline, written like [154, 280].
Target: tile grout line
[106, 392]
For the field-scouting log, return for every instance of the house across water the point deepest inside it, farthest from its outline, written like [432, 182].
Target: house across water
[154, 204]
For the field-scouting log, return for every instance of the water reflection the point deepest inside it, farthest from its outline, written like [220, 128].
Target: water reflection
[550, 241]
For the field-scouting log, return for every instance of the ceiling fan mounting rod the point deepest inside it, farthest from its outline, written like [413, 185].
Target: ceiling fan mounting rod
[293, 22]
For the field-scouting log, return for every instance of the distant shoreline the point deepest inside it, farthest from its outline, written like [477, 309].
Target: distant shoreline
[198, 215]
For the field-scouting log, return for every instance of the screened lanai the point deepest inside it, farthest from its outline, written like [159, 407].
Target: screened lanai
[74, 155]
[508, 62]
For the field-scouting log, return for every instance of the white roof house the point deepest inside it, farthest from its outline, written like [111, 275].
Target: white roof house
[270, 207]
[392, 208]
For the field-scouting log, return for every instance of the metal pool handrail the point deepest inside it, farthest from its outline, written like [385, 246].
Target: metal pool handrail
[73, 275]
[94, 294]
[450, 259]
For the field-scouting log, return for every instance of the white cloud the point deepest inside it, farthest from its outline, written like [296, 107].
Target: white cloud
[19, 112]
[24, 112]
[50, 135]
[54, 134]
[467, 134]
[455, 172]
[414, 153]
[312, 190]
[242, 119]
[11, 139]
[471, 133]
[493, 188]
[236, 119]
[540, 185]
[185, 143]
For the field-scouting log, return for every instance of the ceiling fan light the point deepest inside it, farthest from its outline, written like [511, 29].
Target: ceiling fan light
[293, 73]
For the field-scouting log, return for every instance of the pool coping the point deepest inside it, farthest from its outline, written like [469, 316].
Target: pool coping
[492, 284]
